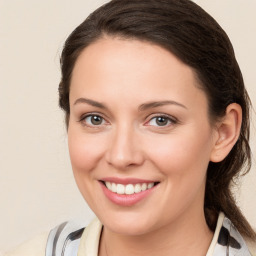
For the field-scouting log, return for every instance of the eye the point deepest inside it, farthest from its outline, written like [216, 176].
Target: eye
[161, 121]
[93, 120]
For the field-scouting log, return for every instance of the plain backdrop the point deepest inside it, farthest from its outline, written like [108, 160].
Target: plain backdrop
[37, 189]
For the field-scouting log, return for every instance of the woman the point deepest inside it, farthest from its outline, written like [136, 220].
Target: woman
[158, 126]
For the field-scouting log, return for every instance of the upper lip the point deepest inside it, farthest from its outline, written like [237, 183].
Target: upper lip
[126, 181]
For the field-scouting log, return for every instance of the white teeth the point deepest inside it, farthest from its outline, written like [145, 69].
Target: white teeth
[144, 187]
[150, 185]
[120, 189]
[137, 188]
[113, 187]
[108, 184]
[128, 189]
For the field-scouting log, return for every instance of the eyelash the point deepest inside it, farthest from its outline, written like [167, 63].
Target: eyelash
[170, 120]
[84, 117]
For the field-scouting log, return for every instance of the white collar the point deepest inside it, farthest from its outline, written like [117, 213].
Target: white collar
[216, 234]
[89, 242]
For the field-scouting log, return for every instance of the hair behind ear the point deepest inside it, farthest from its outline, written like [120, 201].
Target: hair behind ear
[223, 172]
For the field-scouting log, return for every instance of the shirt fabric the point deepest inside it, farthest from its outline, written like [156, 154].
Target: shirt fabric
[72, 239]
[226, 240]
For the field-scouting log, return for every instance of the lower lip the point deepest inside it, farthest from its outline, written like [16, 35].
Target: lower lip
[126, 200]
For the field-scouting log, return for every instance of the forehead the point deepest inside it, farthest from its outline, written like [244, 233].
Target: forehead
[128, 54]
[132, 68]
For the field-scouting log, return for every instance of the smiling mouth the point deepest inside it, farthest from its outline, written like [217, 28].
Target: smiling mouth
[128, 189]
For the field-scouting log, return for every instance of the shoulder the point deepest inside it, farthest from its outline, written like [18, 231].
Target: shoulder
[237, 243]
[252, 246]
[228, 241]
[64, 237]
[35, 246]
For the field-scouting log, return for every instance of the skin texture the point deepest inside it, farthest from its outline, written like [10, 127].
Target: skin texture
[124, 75]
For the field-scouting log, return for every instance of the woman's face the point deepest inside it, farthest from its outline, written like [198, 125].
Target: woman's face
[137, 120]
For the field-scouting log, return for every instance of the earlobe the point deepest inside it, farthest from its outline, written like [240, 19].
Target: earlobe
[228, 131]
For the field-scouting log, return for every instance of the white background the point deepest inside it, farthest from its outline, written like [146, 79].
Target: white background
[37, 190]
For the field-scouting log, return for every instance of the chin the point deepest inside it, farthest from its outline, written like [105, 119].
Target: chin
[128, 230]
[128, 224]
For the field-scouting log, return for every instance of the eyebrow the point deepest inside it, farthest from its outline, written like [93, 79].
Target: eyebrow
[155, 104]
[142, 107]
[90, 102]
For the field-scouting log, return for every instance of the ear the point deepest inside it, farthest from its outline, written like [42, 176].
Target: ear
[227, 132]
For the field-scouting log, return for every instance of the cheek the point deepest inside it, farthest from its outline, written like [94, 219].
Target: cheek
[84, 150]
[85, 153]
[181, 154]
[183, 161]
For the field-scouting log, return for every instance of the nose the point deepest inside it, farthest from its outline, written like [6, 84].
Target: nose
[124, 149]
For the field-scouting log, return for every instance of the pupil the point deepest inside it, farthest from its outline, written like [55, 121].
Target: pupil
[96, 120]
[161, 121]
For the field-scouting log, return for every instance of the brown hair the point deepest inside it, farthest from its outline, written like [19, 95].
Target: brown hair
[186, 30]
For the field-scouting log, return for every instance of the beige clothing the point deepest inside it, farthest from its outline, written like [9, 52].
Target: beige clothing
[90, 241]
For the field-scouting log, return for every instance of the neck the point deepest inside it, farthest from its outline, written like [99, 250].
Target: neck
[189, 233]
